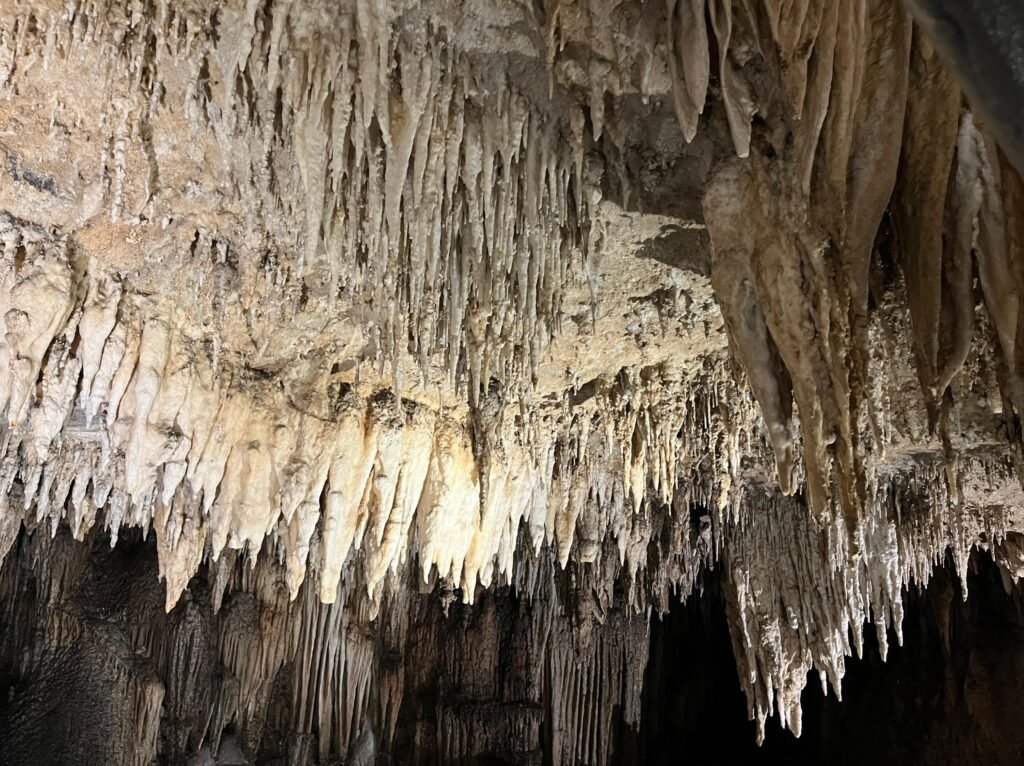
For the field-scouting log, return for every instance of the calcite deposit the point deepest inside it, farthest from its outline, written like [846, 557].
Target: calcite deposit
[376, 373]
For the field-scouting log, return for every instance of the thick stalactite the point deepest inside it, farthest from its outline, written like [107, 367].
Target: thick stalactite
[376, 376]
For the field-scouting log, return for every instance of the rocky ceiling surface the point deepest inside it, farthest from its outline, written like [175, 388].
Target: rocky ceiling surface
[351, 310]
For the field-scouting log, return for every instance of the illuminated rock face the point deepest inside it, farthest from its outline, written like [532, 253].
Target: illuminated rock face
[322, 318]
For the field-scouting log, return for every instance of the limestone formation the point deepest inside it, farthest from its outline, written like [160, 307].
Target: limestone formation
[375, 373]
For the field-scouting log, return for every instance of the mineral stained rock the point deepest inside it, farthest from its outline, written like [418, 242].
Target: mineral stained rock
[375, 373]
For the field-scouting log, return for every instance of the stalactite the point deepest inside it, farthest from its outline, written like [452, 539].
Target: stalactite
[290, 323]
[390, 472]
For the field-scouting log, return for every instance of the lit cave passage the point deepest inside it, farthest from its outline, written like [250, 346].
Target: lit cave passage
[570, 382]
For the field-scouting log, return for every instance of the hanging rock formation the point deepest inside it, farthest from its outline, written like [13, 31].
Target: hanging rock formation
[374, 373]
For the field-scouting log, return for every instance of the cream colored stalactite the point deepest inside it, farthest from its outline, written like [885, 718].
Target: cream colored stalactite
[99, 317]
[246, 492]
[388, 417]
[297, 535]
[491, 305]
[348, 482]
[388, 466]
[123, 369]
[303, 478]
[390, 550]
[394, 467]
[449, 510]
[569, 489]
[509, 500]
[11, 236]
[112, 351]
[179, 445]
[181, 535]
[134, 431]
[40, 301]
[56, 395]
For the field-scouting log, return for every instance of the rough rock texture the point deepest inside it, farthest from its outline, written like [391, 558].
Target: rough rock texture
[375, 372]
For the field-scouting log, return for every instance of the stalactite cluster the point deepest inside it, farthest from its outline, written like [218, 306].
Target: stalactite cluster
[115, 414]
[322, 323]
[361, 164]
[641, 483]
[859, 121]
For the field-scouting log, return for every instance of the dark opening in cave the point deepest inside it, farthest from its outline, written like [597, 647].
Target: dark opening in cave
[479, 682]
[950, 695]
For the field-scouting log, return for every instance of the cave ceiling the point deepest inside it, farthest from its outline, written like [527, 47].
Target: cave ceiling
[334, 301]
